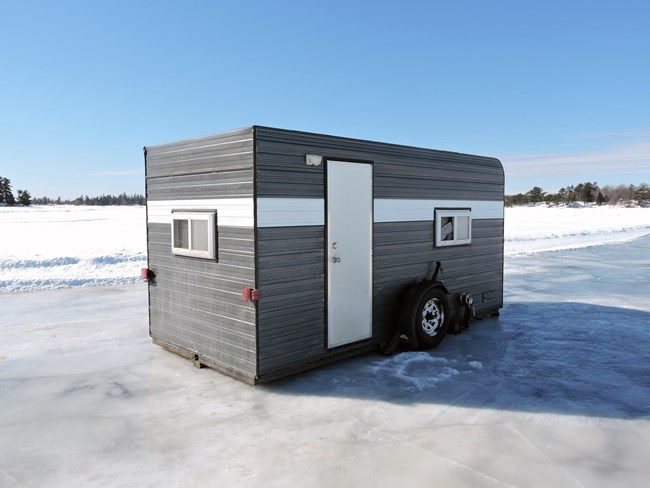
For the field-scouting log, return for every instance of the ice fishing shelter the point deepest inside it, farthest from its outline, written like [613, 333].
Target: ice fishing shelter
[273, 251]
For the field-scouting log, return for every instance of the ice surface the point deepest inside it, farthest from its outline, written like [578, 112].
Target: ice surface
[554, 392]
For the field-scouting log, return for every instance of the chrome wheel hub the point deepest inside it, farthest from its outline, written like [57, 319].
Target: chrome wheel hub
[432, 317]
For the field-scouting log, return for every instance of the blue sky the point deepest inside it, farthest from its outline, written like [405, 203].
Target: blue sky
[559, 91]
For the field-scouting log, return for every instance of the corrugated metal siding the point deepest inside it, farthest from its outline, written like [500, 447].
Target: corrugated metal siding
[291, 260]
[220, 152]
[291, 306]
[196, 304]
[400, 171]
[233, 183]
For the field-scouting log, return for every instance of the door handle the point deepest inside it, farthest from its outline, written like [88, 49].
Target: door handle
[336, 259]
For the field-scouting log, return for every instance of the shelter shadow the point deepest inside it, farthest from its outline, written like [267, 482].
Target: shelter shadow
[566, 358]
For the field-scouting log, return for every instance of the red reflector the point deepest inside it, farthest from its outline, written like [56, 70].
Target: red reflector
[246, 294]
[249, 294]
[144, 272]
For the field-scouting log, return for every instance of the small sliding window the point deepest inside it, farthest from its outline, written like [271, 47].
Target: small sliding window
[453, 227]
[193, 234]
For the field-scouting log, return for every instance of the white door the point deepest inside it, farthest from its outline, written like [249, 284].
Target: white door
[349, 252]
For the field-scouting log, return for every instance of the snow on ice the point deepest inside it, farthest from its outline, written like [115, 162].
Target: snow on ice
[66, 246]
[537, 229]
[554, 392]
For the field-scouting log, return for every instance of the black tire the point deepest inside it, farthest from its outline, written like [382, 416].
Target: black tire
[431, 317]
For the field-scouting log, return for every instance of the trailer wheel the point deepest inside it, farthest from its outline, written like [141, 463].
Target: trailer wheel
[431, 318]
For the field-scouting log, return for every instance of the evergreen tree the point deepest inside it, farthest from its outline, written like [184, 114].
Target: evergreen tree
[6, 195]
[600, 198]
[24, 198]
[5, 190]
[536, 195]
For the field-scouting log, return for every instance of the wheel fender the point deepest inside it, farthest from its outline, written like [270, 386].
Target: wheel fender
[408, 309]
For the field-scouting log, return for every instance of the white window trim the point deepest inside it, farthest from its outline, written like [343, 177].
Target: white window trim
[210, 217]
[454, 213]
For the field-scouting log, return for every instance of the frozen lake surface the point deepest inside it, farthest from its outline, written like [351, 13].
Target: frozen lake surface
[61, 246]
[66, 246]
[554, 392]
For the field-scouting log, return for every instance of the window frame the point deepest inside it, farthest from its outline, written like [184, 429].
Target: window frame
[210, 217]
[454, 213]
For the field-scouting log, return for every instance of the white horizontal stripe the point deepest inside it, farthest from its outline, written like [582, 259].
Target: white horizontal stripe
[231, 212]
[292, 212]
[398, 210]
[283, 212]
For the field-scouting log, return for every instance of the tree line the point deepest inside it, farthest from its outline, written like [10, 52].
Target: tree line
[588, 192]
[24, 198]
[122, 199]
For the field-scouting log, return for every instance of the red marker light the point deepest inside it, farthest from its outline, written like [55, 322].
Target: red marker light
[249, 294]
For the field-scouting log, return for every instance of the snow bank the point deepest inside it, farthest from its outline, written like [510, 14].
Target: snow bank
[537, 229]
[47, 247]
